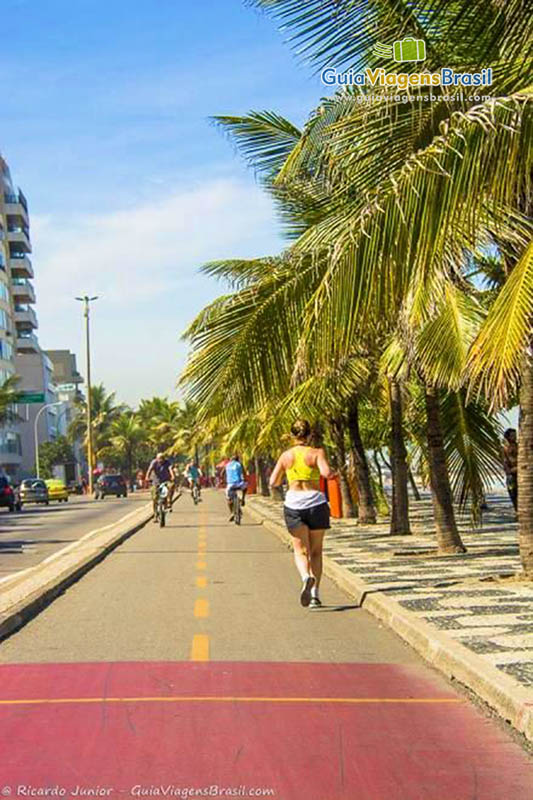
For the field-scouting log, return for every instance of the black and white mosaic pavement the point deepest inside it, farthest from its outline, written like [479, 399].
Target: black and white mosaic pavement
[464, 595]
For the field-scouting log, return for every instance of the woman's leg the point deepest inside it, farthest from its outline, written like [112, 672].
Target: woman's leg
[300, 543]
[316, 543]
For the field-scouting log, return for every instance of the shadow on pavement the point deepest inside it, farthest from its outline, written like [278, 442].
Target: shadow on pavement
[17, 545]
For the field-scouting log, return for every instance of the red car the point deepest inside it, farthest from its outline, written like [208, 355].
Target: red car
[9, 499]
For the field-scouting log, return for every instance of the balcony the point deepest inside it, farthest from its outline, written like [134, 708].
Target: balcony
[22, 290]
[20, 236]
[21, 266]
[16, 205]
[27, 343]
[25, 318]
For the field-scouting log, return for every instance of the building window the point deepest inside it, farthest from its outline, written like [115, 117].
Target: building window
[10, 443]
[6, 350]
[3, 319]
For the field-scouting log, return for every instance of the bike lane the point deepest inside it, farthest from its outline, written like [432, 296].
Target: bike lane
[295, 730]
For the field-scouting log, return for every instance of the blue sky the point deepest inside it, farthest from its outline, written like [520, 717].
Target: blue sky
[105, 128]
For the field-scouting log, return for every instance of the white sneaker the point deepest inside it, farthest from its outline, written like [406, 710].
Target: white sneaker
[305, 594]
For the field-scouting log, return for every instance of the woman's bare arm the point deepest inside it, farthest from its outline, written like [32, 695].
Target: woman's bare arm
[278, 472]
[323, 466]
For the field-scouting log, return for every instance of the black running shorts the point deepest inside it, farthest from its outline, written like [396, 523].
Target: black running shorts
[316, 518]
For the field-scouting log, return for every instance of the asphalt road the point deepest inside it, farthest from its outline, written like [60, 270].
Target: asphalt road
[28, 537]
[185, 662]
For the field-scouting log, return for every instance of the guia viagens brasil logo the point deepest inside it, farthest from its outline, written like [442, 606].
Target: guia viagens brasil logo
[402, 51]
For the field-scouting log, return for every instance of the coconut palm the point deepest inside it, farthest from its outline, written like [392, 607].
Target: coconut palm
[126, 438]
[105, 411]
[418, 188]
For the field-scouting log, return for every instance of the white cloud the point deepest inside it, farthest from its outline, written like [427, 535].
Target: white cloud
[143, 262]
[140, 251]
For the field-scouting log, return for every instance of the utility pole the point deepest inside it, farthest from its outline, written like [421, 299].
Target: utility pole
[36, 433]
[86, 300]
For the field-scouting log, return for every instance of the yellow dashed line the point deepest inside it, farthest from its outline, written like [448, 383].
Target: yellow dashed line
[200, 648]
[201, 608]
[200, 641]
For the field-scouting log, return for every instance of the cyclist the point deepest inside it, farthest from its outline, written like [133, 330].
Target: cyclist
[306, 508]
[161, 471]
[234, 481]
[193, 473]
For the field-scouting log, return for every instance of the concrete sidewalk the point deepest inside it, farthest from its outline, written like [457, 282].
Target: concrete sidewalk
[459, 612]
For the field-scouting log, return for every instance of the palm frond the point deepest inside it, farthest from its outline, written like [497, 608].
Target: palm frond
[495, 359]
[263, 137]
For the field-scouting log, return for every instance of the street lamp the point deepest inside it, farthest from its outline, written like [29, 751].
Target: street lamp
[36, 433]
[86, 300]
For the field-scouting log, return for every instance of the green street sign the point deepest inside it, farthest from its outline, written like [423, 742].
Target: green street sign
[31, 397]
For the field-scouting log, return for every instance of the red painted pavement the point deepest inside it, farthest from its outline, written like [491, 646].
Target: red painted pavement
[298, 751]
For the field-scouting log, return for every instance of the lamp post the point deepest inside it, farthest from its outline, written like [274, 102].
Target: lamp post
[36, 433]
[86, 300]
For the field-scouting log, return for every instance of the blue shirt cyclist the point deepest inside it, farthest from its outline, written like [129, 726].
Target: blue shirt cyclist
[235, 479]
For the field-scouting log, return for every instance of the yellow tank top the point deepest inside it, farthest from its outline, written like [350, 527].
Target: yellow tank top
[300, 471]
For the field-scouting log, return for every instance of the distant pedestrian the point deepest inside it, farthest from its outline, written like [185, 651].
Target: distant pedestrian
[510, 464]
[306, 508]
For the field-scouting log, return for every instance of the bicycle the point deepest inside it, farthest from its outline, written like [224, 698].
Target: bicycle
[237, 507]
[195, 492]
[160, 504]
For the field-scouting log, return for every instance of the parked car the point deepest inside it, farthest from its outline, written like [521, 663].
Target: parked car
[110, 484]
[57, 490]
[33, 490]
[9, 498]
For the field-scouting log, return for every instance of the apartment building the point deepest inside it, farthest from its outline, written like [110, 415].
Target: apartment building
[20, 352]
[14, 246]
[68, 384]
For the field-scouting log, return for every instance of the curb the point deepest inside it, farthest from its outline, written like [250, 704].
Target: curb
[512, 702]
[25, 594]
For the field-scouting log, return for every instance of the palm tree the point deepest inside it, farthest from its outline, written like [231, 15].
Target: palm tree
[126, 435]
[105, 411]
[404, 215]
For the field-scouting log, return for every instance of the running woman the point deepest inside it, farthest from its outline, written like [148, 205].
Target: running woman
[306, 508]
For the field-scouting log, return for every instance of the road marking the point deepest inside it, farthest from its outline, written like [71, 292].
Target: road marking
[201, 565]
[222, 699]
[201, 581]
[200, 647]
[201, 607]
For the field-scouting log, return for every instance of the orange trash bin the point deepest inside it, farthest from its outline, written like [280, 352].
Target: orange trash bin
[335, 497]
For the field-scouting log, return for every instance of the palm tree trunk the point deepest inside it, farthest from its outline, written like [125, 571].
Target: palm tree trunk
[525, 468]
[378, 470]
[448, 539]
[262, 477]
[399, 524]
[337, 434]
[412, 481]
[367, 508]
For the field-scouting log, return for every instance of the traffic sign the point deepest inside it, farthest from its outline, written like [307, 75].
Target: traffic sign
[31, 397]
